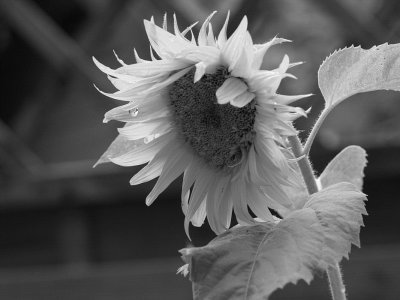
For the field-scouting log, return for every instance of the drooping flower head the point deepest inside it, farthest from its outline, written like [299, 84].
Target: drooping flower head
[204, 109]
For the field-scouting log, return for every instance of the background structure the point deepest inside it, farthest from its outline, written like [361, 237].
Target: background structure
[68, 231]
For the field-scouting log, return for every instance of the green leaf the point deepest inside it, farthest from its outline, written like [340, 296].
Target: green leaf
[339, 208]
[355, 70]
[250, 262]
[347, 166]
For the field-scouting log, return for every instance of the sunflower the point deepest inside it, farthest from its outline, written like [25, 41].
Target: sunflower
[204, 108]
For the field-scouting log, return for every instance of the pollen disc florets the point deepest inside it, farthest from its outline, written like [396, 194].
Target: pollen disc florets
[217, 133]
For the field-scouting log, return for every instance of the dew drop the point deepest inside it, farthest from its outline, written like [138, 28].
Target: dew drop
[134, 112]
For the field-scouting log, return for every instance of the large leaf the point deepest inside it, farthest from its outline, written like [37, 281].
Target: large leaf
[355, 70]
[250, 262]
[347, 166]
[339, 209]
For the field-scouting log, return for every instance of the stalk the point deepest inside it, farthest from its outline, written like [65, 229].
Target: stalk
[338, 290]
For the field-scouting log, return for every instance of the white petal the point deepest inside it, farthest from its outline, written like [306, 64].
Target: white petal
[134, 89]
[153, 58]
[230, 89]
[258, 203]
[140, 111]
[178, 33]
[286, 99]
[165, 23]
[225, 206]
[290, 111]
[149, 172]
[260, 51]
[185, 202]
[234, 46]
[240, 203]
[242, 67]
[140, 130]
[118, 59]
[256, 173]
[174, 167]
[222, 34]
[266, 84]
[171, 79]
[153, 68]
[202, 38]
[154, 167]
[291, 65]
[198, 196]
[193, 39]
[200, 71]
[189, 29]
[119, 113]
[137, 57]
[200, 214]
[115, 73]
[214, 199]
[143, 153]
[243, 99]
[284, 65]
[164, 43]
[211, 205]
[210, 36]
[189, 177]
[201, 53]
[118, 83]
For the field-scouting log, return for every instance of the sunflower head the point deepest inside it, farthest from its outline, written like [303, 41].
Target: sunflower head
[204, 108]
[219, 134]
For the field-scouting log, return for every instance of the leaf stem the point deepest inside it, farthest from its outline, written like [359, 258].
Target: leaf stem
[304, 165]
[338, 290]
[315, 130]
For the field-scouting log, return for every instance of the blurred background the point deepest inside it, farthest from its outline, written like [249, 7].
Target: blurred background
[68, 231]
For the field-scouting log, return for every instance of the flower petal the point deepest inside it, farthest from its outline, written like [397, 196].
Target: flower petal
[142, 153]
[260, 51]
[234, 46]
[242, 67]
[210, 36]
[243, 99]
[240, 204]
[200, 214]
[149, 172]
[154, 168]
[189, 177]
[230, 89]
[137, 57]
[288, 99]
[156, 88]
[258, 203]
[200, 71]
[198, 196]
[164, 43]
[135, 131]
[139, 111]
[174, 166]
[222, 34]
[202, 38]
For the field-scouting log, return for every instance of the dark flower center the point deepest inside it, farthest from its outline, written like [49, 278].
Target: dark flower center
[217, 133]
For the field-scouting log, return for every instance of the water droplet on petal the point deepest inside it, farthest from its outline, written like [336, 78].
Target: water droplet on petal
[134, 112]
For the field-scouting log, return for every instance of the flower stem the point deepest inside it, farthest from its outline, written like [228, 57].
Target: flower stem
[334, 275]
[304, 165]
[338, 290]
[315, 130]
